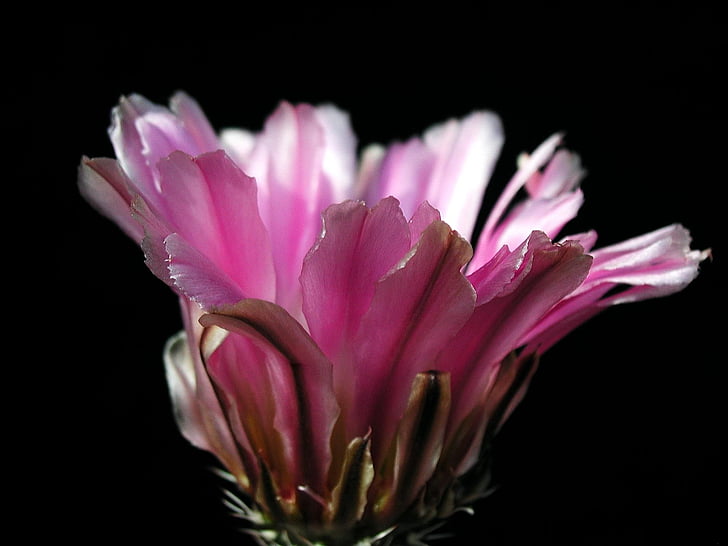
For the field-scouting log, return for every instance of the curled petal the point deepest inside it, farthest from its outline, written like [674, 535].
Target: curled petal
[306, 408]
[652, 265]
[197, 409]
[415, 452]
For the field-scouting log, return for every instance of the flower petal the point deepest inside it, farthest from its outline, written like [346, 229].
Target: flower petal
[306, 407]
[652, 265]
[196, 406]
[298, 161]
[211, 204]
[104, 184]
[142, 133]
[415, 310]
[358, 246]
[553, 199]
[547, 273]
[450, 167]
[415, 452]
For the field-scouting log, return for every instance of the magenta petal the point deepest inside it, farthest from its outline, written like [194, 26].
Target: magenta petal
[212, 205]
[547, 273]
[421, 220]
[416, 309]
[195, 276]
[305, 405]
[357, 247]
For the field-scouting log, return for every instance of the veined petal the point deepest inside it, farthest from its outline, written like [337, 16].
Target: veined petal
[306, 407]
[194, 275]
[357, 247]
[547, 215]
[415, 452]
[142, 133]
[652, 265]
[450, 167]
[551, 178]
[211, 204]
[547, 273]
[416, 309]
[297, 162]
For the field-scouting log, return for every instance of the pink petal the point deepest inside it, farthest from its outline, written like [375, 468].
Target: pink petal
[450, 167]
[561, 175]
[212, 205]
[297, 162]
[652, 265]
[143, 133]
[301, 383]
[104, 184]
[195, 123]
[196, 405]
[655, 264]
[193, 274]
[545, 275]
[547, 215]
[357, 247]
[553, 200]
[416, 309]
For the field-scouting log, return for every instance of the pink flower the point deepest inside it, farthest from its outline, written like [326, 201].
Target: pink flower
[347, 355]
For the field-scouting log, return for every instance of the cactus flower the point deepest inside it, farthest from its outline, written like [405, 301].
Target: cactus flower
[348, 355]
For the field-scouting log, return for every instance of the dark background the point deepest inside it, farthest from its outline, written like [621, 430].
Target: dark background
[620, 440]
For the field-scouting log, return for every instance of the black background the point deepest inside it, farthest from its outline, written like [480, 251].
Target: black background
[619, 441]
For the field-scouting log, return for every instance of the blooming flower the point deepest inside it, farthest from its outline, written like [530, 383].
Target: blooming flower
[347, 354]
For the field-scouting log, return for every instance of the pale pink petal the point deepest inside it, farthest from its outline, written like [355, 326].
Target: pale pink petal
[142, 133]
[239, 144]
[655, 264]
[550, 178]
[652, 265]
[547, 215]
[423, 301]
[450, 167]
[562, 174]
[104, 184]
[289, 162]
[339, 160]
[195, 123]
